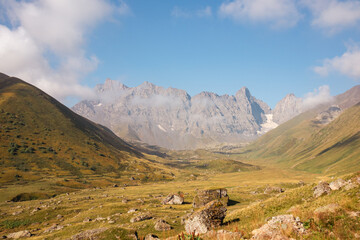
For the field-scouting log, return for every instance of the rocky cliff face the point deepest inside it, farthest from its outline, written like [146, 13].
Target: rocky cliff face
[287, 108]
[171, 118]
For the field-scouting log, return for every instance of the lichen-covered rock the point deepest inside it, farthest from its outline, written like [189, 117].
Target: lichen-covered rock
[350, 185]
[205, 196]
[173, 199]
[321, 189]
[141, 217]
[208, 217]
[269, 190]
[337, 184]
[279, 228]
[162, 225]
[20, 234]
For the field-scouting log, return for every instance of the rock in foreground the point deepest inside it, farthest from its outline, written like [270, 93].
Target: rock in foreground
[207, 218]
[279, 227]
[321, 189]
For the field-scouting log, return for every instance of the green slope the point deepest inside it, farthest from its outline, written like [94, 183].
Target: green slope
[304, 144]
[41, 138]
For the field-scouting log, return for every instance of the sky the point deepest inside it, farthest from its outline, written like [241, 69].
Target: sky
[273, 47]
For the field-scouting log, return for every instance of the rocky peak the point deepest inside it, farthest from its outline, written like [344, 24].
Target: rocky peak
[287, 108]
[243, 93]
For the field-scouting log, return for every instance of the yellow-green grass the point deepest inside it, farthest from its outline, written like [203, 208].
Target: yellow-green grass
[105, 202]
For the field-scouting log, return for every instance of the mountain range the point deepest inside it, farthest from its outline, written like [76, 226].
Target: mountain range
[172, 119]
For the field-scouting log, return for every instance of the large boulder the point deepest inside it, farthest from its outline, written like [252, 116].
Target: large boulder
[20, 234]
[337, 184]
[206, 218]
[162, 225]
[205, 196]
[321, 189]
[280, 228]
[141, 217]
[173, 199]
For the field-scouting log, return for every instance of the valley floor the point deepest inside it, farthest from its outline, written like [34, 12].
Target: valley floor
[106, 209]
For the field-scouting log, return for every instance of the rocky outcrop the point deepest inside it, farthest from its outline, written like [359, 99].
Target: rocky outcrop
[205, 196]
[172, 199]
[287, 108]
[207, 218]
[141, 217]
[162, 225]
[89, 234]
[172, 119]
[337, 184]
[269, 190]
[280, 227]
[20, 234]
[321, 189]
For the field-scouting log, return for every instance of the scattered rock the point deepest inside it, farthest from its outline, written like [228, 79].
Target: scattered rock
[35, 210]
[223, 235]
[99, 219]
[322, 189]
[141, 217]
[132, 210]
[17, 213]
[89, 234]
[20, 234]
[132, 178]
[124, 201]
[111, 221]
[205, 196]
[269, 190]
[278, 226]
[183, 218]
[350, 186]
[162, 225]
[206, 218]
[173, 199]
[87, 220]
[115, 185]
[54, 227]
[337, 184]
[59, 216]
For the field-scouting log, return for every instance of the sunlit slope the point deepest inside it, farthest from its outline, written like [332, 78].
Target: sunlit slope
[304, 144]
[41, 137]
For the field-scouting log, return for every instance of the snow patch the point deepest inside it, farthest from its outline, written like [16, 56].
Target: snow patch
[98, 105]
[161, 128]
[268, 125]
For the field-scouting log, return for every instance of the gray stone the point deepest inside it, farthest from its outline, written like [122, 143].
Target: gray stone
[173, 199]
[205, 196]
[322, 189]
[162, 225]
[20, 234]
[141, 217]
[337, 184]
[206, 218]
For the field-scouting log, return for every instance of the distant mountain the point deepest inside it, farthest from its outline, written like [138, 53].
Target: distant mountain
[40, 137]
[172, 119]
[287, 108]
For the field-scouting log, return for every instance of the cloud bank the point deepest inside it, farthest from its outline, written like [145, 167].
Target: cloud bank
[278, 13]
[347, 64]
[317, 97]
[44, 43]
[334, 15]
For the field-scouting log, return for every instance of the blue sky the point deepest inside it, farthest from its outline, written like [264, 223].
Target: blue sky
[273, 47]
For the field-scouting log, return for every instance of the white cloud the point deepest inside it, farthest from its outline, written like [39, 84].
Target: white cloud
[277, 13]
[317, 97]
[45, 43]
[347, 64]
[178, 12]
[334, 15]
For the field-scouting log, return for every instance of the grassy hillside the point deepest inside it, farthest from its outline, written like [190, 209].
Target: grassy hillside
[42, 139]
[304, 144]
